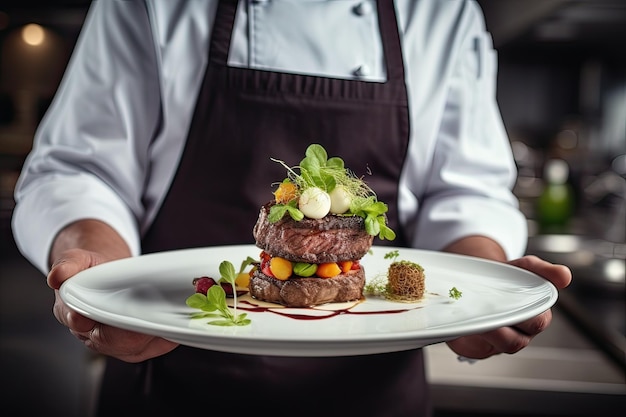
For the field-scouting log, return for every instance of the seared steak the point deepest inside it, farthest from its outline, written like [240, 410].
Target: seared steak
[308, 292]
[330, 239]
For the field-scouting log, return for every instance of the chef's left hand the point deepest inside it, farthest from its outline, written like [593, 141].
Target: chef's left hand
[514, 338]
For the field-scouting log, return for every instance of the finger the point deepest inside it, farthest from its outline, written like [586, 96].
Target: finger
[70, 318]
[71, 263]
[124, 344]
[503, 340]
[559, 275]
[535, 325]
[512, 339]
[475, 347]
[507, 340]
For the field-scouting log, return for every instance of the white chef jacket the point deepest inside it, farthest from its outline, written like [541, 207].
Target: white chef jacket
[110, 142]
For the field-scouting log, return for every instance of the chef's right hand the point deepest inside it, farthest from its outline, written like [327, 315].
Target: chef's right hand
[125, 345]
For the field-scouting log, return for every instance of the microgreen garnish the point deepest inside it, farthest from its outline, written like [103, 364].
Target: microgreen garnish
[213, 304]
[277, 211]
[317, 170]
[377, 286]
[245, 263]
[455, 293]
[373, 212]
[392, 254]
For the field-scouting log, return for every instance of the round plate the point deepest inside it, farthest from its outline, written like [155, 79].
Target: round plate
[147, 294]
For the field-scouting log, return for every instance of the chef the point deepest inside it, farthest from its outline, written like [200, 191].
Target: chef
[160, 138]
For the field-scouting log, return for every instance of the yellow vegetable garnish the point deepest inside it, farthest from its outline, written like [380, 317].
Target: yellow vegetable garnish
[243, 280]
[345, 266]
[328, 270]
[286, 192]
[281, 268]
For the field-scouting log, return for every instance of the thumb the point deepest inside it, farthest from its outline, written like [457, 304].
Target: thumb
[559, 275]
[69, 264]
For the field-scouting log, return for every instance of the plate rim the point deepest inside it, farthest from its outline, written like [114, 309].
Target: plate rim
[293, 346]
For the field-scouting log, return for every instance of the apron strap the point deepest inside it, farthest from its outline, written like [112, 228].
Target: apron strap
[392, 47]
[222, 31]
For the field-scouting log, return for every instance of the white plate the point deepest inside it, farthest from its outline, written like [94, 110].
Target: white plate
[147, 294]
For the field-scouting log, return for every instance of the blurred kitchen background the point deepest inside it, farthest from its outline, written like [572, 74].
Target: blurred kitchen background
[562, 92]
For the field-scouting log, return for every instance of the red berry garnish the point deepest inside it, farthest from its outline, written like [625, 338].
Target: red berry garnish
[203, 284]
[228, 289]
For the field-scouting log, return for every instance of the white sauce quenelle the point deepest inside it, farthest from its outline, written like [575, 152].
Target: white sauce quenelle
[339, 200]
[314, 203]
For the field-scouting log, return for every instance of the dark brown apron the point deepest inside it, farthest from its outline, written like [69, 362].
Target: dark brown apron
[243, 117]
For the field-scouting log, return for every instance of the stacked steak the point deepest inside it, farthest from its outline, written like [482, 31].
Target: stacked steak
[331, 239]
[314, 233]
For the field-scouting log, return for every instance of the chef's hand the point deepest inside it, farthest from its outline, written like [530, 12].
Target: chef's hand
[514, 338]
[122, 344]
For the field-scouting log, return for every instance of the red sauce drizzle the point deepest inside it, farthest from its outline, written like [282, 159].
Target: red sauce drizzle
[249, 306]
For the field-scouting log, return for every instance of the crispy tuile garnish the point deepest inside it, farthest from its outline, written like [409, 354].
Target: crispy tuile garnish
[406, 281]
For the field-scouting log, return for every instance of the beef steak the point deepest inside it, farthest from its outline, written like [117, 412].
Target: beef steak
[308, 292]
[333, 238]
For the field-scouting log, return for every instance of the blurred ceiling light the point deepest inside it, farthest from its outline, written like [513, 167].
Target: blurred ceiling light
[33, 34]
[615, 270]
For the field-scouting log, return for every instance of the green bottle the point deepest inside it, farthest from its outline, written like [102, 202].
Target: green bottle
[555, 205]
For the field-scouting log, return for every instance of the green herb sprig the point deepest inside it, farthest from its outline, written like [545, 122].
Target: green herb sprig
[317, 170]
[392, 254]
[277, 211]
[213, 304]
[377, 286]
[455, 293]
[374, 214]
[244, 264]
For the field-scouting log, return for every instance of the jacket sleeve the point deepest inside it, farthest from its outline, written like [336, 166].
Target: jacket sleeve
[468, 184]
[91, 151]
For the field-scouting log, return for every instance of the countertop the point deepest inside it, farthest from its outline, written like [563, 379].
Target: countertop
[562, 373]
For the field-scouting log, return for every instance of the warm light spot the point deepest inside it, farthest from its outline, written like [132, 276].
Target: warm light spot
[33, 34]
[615, 270]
